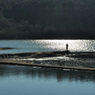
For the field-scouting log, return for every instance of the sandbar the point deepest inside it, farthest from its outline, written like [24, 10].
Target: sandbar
[14, 59]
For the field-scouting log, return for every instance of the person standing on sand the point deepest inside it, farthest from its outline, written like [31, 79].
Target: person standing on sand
[67, 47]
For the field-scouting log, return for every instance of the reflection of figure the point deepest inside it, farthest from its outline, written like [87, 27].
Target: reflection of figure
[67, 47]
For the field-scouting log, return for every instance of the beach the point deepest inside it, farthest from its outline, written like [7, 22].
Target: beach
[22, 59]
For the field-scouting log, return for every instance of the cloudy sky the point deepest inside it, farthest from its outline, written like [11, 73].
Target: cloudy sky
[29, 19]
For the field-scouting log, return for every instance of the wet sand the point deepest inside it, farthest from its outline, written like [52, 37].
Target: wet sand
[14, 59]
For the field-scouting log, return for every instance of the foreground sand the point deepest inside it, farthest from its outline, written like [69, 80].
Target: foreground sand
[14, 59]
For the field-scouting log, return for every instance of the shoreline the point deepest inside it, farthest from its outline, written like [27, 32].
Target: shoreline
[65, 68]
[12, 59]
[49, 54]
[5, 48]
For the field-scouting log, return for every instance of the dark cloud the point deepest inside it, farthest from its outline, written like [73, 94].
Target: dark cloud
[34, 19]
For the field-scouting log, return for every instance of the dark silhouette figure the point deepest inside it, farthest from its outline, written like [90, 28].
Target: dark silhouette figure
[67, 47]
[67, 51]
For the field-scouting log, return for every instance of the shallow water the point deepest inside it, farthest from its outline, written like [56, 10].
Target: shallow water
[21, 80]
[63, 61]
[21, 46]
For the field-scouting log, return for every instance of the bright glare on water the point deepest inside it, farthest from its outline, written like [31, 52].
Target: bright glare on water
[21, 46]
[74, 45]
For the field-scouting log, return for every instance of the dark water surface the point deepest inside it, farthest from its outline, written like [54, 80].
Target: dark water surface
[21, 80]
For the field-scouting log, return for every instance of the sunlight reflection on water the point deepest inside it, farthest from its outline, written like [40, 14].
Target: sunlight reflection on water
[74, 45]
[22, 46]
[48, 58]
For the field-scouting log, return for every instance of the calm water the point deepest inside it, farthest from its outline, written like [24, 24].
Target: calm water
[46, 45]
[21, 80]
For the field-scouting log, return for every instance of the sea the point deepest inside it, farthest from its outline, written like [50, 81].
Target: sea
[25, 80]
[22, 46]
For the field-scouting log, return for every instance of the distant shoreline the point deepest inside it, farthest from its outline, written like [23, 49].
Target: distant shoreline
[5, 48]
[48, 54]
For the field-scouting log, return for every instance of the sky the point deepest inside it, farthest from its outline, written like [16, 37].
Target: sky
[47, 19]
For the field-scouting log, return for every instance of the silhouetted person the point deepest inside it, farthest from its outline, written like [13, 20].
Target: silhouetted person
[67, 47]
[67, 51]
